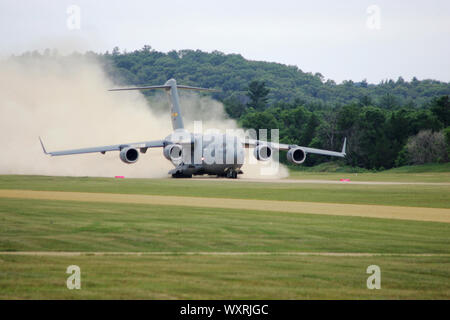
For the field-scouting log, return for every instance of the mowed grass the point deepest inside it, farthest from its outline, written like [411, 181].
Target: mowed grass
[398, 195]
[223, 277]
[424, 177]
[38, 225]
[419, 173]
[42, 225]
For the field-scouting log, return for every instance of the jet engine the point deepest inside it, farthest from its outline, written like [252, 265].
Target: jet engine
[173, 152]
[129, 155]
[262, 152]
[296, 155]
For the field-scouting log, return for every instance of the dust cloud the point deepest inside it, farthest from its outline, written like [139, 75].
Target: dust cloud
[66, 101]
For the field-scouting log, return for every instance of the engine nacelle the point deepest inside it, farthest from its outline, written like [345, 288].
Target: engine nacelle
[296, 155]
[129, 155]
[173, 152]
[262, 152]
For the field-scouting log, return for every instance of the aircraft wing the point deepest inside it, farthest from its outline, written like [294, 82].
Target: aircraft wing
[117, 147]
[281, 146]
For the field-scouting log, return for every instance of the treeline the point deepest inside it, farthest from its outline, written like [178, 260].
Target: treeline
[388, 124]
[232, 74]
[377, 138]
[381, 121]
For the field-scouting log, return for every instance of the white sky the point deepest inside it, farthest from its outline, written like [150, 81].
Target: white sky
[330, 37]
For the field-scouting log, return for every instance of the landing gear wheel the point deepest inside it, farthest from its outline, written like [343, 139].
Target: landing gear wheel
[232, 174]
[180, 175]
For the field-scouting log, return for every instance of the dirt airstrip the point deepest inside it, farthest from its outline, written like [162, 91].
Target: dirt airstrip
[338, 209]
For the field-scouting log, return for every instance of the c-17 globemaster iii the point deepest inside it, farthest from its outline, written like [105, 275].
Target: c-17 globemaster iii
[197, 153]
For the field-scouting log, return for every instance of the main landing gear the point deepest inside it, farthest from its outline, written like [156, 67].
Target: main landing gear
[232, 174]
[181, 175]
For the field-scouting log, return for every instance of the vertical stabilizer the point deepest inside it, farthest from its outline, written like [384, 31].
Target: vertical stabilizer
[174, 101]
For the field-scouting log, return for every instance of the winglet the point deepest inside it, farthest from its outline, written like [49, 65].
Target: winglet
[42, 145]
[344, 146]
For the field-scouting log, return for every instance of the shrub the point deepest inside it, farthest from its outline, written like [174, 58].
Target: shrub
[427, 147]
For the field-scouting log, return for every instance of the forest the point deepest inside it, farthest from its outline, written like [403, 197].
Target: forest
[389, 124]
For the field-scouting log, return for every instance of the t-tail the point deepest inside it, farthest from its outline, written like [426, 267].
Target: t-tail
[171, 89]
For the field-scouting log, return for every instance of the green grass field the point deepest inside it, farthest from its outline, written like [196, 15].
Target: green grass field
[400, 195]
[177, 240]
[417, 173]
[223, 277]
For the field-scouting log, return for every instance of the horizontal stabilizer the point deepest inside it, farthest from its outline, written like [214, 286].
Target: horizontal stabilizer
[165, 87]
[171, 87]
[197, 88]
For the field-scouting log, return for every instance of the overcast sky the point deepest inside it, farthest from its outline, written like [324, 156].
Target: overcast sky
[353, 39]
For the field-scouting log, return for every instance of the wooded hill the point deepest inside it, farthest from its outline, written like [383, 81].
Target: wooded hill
[389, 124]
[232, 73]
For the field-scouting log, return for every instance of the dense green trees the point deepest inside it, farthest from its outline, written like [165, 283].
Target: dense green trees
[441, 108]
[377, 137]
[232, 74]
[257, 92]
[377, 119]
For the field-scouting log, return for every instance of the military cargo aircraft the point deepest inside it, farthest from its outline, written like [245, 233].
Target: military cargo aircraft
[198, 153]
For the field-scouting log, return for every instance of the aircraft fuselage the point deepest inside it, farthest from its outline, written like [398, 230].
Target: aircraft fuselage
[212, 154]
